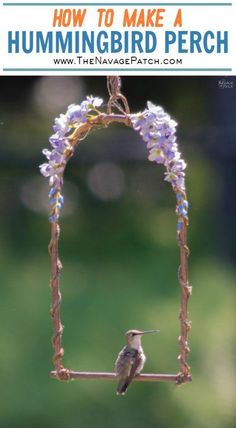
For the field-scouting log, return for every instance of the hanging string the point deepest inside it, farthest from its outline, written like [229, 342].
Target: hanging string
[114, 90]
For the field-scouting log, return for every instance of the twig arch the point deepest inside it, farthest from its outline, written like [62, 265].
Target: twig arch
[158, 131]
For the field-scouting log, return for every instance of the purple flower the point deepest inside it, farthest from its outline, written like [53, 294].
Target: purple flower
[61, 199]
[61, 148]
[156, 155]
[93, 102]
[55, 181]
[179, 225]
[154, 125]
[59, 143]
[52, 192]
[46, 169]
[61, 125]
[49, 169]
[182, 210]
[78, 113]
[158, 131]
[178, 166]
[170, 176]
[54, 156]
[170, 155]
[52, 218]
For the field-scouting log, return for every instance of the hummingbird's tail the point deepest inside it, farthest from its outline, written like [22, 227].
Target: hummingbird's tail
[122, 386]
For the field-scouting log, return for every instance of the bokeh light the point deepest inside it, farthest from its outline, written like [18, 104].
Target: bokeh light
[106, 180]
[40, 204]
[53, 94]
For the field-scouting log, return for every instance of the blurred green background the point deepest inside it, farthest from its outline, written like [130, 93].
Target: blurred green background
[118, 248]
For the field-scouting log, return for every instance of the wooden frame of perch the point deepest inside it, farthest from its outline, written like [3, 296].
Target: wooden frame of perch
[153, 125]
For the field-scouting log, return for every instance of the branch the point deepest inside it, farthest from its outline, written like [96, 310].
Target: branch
[100, 120]
[56, 297]
[146, 377]
[186, 289]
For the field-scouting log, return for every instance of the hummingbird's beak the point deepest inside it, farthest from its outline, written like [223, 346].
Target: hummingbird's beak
[150, 331]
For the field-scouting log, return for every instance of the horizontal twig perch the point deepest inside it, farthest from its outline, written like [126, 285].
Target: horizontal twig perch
[145, 377]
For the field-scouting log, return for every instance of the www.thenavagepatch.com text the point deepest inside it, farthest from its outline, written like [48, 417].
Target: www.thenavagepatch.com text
[100, 60]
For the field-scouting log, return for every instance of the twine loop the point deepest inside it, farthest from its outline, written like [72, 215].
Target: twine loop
[114, 90]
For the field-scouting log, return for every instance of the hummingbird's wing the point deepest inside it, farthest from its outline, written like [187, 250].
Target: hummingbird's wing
[127, 364]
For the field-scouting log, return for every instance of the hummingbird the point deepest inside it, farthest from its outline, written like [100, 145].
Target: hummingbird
[131, 359]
